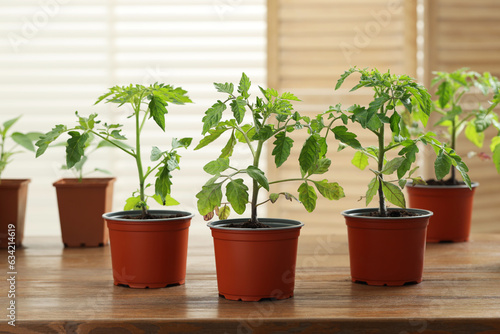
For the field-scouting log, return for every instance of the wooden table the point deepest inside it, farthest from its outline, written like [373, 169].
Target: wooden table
[71, 291]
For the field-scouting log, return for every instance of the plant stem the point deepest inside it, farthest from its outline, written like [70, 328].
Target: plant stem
[138, 158]
[382, 207]
[255, 184]
[453, 142]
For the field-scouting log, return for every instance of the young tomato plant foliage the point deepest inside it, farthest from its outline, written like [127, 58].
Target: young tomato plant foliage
[451, 89]
[391, 95]
[147, 102]
[7, 150]
[252, 125]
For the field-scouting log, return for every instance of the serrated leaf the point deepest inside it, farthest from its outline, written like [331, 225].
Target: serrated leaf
[156, 153]
[227, 150]
[237, 195]
[244, 85]
[209, 198]
[343, 77]
[224, 87]
[238, 107]
[282, 148]
[392, 165]
[309, 153]
[442, 165]
[289, 96]
[346, 137]
[321, 166]
[360, 160]
[213, 116]
[217, 166]
[393, 194]
[307, 196]
[213, 135]
[259, 176]
[183, 142]
[157, 111]
[264, 133]
[445, 92]
[23, 140]
[169, 200]
[75, 148]
[329, 190]
[46, 139]
[372, 189]
[117, 135]
[163, 183]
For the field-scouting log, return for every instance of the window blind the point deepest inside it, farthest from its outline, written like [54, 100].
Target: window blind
[58, 56]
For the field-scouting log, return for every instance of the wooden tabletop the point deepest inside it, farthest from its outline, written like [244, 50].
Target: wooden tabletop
[71, 290]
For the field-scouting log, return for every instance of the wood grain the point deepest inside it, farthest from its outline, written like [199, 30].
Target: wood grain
[71, 291]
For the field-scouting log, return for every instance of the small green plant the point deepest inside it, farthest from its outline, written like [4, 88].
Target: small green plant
[392, 95]
[252, 124]
[451, 89]
[19, 139]
[146, 102]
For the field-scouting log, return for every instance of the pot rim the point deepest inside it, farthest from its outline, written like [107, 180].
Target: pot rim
[115, 215]
[352, 213]
[455, 186]
[276, 223]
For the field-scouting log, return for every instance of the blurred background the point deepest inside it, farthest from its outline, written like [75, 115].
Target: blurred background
[58, 56]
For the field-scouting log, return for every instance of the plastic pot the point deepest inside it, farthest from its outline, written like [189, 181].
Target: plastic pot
[452, 208]
[386, 250]
[253, 264]
[81, 206]
[148, 253]
[13, 197]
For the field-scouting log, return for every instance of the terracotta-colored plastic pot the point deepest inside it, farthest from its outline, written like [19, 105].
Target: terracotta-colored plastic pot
[81, 206]
[13, 197]
[256, 263]
[148, 253]
[386, 250]
[452, 208]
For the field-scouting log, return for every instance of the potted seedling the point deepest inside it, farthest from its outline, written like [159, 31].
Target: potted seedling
[255, 257]
[148, 247]
[451, 199]
[386, 245]
[13, 192]
[90, 197]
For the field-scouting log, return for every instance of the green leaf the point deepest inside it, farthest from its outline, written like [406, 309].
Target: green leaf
[442, 165]
[224, 212]
[321, 166]
[213, 135]
[156, 153]
[8, 124]
[169, 200]
[372, 190]
[496, 157]
[289, 96]
[394, 194]
[132, 203]
[259, 176]
[23, 140]
[273, 197]
[237, 195]
[477, 138]
[238, 107]
[392, 165]
[224, 88]
[213, 116]
[117, 135]
[377, 103]
[282, 148]
[75, 148]
[244, 86]
[163, 183]
[183, 142]
[330, 190]
[227, 150]
[346, 137]
[309, 153]
[157, 111]
[445, 92]
[307, 196]
[343, 77]
[217, 166]
[264, 133]
[209, 198]
[360, 160]
[46, 139]
[394, 120]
